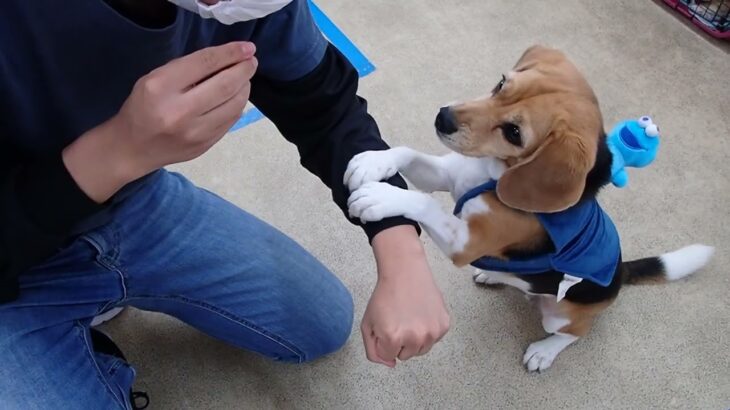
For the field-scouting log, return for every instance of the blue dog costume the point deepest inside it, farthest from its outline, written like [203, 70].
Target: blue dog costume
[586, 241]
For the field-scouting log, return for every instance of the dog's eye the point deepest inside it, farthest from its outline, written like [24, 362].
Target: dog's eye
[499, 86]
[512, 134]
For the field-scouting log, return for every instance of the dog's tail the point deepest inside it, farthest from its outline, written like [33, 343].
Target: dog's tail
[667, 267]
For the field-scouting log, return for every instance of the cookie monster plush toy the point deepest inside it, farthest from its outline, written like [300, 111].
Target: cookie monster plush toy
[633, 143]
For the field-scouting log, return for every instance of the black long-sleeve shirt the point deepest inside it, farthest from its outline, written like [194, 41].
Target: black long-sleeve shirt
[61, 76]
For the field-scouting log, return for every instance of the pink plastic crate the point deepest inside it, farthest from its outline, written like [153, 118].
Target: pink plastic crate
[712, 16]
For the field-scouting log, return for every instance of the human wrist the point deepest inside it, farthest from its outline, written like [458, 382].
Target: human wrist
[99, 163]
[398, 250]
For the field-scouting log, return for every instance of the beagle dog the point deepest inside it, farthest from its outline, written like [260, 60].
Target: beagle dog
[527, 164]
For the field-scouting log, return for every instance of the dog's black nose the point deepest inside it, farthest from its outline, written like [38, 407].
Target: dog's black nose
[445, 121]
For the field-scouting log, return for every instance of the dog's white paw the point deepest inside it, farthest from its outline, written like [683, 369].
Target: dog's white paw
[375, 201]
[370, 166]
[484, 277]
[487, 278]
[540, 355]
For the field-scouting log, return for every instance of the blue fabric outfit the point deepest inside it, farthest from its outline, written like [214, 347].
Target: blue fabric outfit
[586, 242]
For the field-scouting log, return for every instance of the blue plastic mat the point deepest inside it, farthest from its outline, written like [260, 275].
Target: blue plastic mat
[336, 37]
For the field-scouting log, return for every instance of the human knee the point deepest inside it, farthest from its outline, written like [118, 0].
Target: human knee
[331, 329]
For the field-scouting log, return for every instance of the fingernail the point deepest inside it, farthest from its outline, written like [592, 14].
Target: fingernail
[255, 62]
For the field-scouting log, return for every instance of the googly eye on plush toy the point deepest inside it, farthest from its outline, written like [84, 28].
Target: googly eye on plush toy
[652, 131]
[645, 121]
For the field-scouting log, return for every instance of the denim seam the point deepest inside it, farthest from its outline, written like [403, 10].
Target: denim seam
[99, 374]
[223, 313]
[114, 367]
[122, 281]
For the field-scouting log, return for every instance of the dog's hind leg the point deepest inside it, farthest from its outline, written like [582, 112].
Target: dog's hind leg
[567, 322]
[540, 355]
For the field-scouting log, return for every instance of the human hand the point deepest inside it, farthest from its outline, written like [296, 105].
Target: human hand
[406, 314]
[173, 114]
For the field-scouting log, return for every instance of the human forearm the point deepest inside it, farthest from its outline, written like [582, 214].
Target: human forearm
[323, 116]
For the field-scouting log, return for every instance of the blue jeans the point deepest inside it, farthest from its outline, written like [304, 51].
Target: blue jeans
[171, 248]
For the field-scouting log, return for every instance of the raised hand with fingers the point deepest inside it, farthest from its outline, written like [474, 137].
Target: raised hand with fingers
[173, 114]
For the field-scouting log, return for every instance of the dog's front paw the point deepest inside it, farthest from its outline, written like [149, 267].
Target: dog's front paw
[370, 166]
[375, 201]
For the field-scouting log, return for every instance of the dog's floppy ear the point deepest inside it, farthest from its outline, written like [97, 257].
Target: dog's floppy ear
[552, 179]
